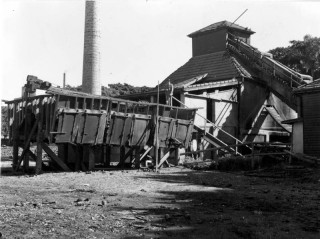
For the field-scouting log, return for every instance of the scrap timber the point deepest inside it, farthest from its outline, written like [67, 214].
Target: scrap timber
[89, 126]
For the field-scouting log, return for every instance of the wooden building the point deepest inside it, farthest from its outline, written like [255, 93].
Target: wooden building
[243, 93]
[306, 128]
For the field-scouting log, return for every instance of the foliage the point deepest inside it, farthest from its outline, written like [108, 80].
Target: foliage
[301, 56]
[116, 89]
[4, 121]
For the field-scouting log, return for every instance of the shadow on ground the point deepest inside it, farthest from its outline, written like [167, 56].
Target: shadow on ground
[223, 205]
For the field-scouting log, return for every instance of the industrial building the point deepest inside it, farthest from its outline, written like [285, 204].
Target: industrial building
[243, 93]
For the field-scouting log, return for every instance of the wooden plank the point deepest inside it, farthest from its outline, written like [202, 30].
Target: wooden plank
[164, 158]
[27, 143]
[76, 126]
[136, 157]
[81, 128]
[101, 128]
[127, 129]
[109, 128]
[145, 153]
[54, 157]
[117, 129]
[140, 131]
[66, 129]
[39, 139]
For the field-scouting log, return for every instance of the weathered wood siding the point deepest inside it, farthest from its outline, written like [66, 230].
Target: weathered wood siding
[209, 43]
[311, 123]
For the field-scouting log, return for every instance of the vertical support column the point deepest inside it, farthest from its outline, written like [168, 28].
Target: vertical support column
[26, 161]
[78, 156]
[15, 136]
[182, 99]
[107, 155]
[252, 155]
[137, 157]
[15, 154]
[39, 139]
[122, 156]
[91, 158]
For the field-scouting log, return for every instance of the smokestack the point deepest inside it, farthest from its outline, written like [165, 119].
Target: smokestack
[91, 55]
[64, 80]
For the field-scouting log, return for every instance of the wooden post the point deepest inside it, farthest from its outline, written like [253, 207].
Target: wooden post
[91, 158]
[39, 139]
[107, 155]
[137, 157]
[122, 156]
[157, 133]
[84, 157]
[15, 154]
[252, 155]
[26, 160]
[15, 135]
[78, 156]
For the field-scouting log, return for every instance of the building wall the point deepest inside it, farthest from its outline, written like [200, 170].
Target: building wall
[311, 123]
[223, 114]
[209, 43]
[192, 102]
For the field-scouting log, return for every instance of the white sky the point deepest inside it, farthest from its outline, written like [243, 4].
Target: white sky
[142, 41]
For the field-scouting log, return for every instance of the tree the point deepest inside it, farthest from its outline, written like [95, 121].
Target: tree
[4, 121]
[115, 89]
[301, 56]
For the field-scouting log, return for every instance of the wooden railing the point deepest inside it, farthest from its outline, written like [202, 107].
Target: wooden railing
[271, 66]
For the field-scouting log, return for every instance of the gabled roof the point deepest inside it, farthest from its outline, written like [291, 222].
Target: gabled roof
[218, 66]
[311, 87]
[220, 25]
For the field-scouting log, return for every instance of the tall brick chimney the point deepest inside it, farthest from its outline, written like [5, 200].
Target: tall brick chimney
[91, 54]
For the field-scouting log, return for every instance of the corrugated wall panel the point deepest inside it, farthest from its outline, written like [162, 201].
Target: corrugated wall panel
[311, 124]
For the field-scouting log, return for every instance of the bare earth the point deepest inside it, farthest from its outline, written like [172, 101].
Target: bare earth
[175, 203]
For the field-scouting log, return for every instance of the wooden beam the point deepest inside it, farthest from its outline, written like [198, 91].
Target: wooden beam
[145, 153]
[54, 157]
[26, 145]
[91, 158]
[165, 157]
[39, 139]
[137, 155]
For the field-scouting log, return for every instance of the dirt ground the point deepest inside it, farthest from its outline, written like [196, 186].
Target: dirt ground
[175, 203]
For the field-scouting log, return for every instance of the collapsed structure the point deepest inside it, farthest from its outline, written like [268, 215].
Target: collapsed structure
[89, 128]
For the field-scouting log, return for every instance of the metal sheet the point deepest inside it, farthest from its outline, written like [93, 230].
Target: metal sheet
[127, 130]
[65, 127]
[76, 127]
[101, 128]
[90, 128]
[109, 128]
[183, 131]
[141, 130]
[81, 128]
[117, 129]
[164, 131]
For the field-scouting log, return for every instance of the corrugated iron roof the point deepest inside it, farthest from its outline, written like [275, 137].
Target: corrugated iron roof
[219, 66]
[220, 25]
